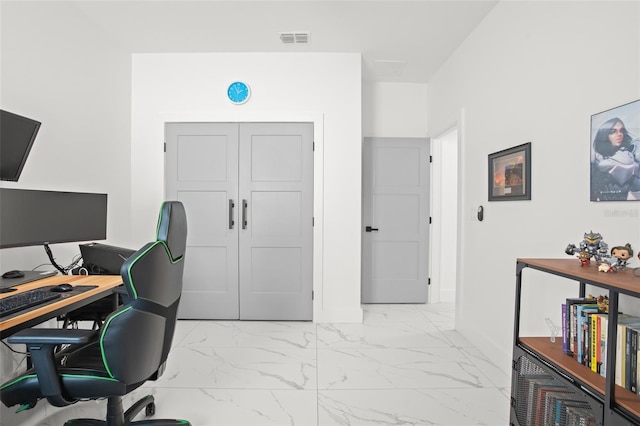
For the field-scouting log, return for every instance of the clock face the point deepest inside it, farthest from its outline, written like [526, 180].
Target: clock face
[238, 92]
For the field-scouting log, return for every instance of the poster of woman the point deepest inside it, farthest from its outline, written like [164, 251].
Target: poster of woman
[615, 154]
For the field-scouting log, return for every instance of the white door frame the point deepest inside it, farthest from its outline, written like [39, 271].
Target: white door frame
[444, 179]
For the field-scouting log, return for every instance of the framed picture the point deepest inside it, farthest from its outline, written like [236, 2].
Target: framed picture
[510, 174]
[615, 154]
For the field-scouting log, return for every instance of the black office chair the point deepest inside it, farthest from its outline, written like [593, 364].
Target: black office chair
[130, 348]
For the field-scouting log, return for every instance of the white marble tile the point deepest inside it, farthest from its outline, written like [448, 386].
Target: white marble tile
[239, 368]
[256, 334]
[201, 407]
[457, 340]
[496, 375]
[231, 407]
[389, 335]
[384, 314]
[183, 328]
[397, 368]
[437, 407]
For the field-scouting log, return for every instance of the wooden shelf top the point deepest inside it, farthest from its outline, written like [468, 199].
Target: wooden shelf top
[623, 280]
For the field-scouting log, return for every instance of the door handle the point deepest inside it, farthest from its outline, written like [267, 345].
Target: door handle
[370, 229]
[231, 206]
[244, 214]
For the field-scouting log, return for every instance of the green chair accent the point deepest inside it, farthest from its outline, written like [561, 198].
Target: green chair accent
[130, 348]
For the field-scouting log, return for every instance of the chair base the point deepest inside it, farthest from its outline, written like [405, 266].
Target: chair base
[116, 416]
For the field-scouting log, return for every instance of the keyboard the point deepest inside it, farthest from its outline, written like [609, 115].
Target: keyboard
[25, 300]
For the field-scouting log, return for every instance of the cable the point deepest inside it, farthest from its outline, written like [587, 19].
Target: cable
[13, 350]
[65, 271]
[53, 262]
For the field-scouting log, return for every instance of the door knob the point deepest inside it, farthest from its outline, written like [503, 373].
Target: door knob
[370, 229]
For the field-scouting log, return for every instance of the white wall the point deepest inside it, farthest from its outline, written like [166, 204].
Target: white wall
[394, 110]
[57, 69]
[322, 88]
[533, 72]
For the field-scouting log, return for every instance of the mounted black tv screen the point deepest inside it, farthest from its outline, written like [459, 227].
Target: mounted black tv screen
[17, 134]
[31, 218]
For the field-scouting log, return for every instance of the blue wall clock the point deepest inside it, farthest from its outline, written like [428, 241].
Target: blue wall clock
[238, 92]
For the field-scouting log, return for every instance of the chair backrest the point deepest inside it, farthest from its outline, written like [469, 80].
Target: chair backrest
[136, 339]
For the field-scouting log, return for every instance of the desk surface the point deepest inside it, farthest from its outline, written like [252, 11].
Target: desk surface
[104, 283]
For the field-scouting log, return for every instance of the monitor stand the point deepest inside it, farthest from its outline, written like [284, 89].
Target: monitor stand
[28, 277]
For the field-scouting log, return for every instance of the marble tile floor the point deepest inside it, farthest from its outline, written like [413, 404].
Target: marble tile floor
[404, 365]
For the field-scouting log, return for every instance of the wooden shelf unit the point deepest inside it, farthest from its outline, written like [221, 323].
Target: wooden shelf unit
[620, 407]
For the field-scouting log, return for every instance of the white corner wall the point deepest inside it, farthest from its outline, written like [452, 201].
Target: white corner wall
[58, 69]
[322, 88]
[79, 89]
[397, 110]
[533, 72]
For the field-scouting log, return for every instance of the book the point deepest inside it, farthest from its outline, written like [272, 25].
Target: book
[632, 359]
[532, 395]
[604, 333]
[562, 409]
[582, 328]
[594, 342]
[597, 342]
[551, 398]
[565, 334]
[571, 321]
[621, 338]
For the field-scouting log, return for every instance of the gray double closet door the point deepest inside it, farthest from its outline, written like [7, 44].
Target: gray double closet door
[248, 193]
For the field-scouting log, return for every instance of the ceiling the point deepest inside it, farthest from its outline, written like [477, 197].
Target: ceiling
[400, 41]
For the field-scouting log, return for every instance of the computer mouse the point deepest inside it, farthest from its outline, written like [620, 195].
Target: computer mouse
[13, 274]
[62, 288]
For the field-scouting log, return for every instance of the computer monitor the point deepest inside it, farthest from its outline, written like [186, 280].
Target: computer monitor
[17, 134]
[32, 217]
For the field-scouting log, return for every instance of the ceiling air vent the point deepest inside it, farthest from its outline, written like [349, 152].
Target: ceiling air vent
[295, 37]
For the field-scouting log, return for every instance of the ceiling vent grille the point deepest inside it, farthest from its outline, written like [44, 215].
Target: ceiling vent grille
[295, 37]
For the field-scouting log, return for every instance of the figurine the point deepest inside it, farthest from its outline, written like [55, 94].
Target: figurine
[605, 266]
[621, 254]
[591, 246]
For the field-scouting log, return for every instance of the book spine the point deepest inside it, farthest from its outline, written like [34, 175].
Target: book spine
[633, 360]
[638, 369]
[627, 361]
[572, 330]
[594, 342]
[565, 340]
[620, 348]
[604, 332]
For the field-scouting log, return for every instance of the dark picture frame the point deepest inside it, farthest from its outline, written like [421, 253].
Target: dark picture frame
[615, 154]
[510, 174]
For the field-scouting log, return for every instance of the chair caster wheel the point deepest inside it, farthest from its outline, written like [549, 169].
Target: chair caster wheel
[150, 410]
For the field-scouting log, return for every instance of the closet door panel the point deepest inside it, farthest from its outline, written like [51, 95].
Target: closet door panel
[202, 171]
[276, 180]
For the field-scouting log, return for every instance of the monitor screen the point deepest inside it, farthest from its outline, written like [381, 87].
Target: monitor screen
[30, 217]
[17, 134]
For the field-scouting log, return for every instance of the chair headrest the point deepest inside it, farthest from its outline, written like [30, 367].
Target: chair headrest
[172, 228]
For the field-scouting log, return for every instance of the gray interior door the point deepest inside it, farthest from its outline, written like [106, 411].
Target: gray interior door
[276, 187]
[395, 238]
[248, 193]
[201, 170]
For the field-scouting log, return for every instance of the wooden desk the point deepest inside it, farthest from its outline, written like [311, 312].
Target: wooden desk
[105, 285]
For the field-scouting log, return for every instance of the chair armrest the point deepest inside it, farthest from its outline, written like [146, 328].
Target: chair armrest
[41, 344]
[52, 336]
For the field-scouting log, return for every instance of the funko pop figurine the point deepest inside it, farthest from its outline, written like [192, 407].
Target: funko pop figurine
[591, 246]
[620, 256]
